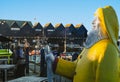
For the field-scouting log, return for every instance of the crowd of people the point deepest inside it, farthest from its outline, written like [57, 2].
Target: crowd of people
[21, 58]
[21, 53]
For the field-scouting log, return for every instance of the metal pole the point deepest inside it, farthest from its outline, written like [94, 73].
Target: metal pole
[65, 42]
[35, 61]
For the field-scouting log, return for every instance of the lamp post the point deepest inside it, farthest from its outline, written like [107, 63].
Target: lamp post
[65, 42]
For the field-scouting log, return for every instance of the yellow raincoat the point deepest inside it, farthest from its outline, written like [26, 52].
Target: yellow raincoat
[99, 63]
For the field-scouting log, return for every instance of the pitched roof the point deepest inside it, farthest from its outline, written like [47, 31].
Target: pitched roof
[24, 24]
[68, 25]
[14, 24]
[49, 26]
[58, 25]
[37, 25]
[78, 25]
[20, 23]
[81, 30]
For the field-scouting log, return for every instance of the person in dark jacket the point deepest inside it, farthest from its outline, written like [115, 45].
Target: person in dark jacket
[42, 63]
[26, 52]
[20, 71]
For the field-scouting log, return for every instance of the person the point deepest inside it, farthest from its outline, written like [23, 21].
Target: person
[26, 52]
[55, 51]
[20, 71]
[43, 72]
[99, 60]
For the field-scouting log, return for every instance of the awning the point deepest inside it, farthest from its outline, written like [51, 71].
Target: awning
[4, 39]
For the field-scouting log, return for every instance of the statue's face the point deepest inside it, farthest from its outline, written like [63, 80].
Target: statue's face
[95, 23]
[94, 34]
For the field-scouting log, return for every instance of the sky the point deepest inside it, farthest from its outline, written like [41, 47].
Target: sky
[55, 11]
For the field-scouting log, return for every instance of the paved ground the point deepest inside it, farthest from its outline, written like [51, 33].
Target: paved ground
[34, 72]
[30, 79]
[35, 68]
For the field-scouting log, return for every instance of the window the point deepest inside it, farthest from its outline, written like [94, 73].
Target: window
[15, 28]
